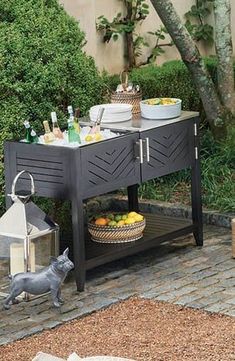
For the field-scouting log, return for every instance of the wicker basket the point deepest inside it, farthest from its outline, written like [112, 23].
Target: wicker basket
[127, 97]
[112, 234]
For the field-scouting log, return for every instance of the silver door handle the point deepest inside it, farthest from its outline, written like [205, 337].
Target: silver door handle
[147, 150]
[141, 152]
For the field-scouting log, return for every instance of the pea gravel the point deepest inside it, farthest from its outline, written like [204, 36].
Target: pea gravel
[139, 329]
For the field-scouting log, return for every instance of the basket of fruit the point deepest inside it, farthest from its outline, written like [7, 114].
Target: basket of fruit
[160, 108]
[116, 227]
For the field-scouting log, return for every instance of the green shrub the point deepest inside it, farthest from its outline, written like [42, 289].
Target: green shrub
[217, 160]
[218, 178]
[172, 79]
[218, 172]
[42, 66]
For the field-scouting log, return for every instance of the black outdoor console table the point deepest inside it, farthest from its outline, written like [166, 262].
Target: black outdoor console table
[145, 149]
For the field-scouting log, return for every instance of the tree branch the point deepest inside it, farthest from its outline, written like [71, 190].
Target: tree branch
[224, 51]
[191, 57]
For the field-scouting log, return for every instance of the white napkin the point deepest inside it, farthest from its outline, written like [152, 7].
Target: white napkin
[41, 356]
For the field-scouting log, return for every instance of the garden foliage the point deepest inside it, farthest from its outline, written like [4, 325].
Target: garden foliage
[42, 66]
[217, 159]
[172, 79]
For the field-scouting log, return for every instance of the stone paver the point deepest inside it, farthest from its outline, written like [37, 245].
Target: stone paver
[176, 272]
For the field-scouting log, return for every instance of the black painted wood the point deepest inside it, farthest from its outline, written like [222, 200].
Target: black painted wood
[109, 165]
[48, 165]
[170, 148]
[133, 203]
[196, 197]
[158, 229]
[80, 173]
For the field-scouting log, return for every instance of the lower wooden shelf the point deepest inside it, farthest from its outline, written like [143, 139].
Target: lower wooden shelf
[158, 229]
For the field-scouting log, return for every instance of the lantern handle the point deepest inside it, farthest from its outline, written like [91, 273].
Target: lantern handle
[13, 195]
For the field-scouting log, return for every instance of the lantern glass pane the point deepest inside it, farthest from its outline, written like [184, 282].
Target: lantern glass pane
[44, 248]
[13, 256]
[11, 260]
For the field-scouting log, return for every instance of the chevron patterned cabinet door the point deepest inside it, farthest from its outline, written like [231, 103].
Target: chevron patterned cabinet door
[170, 149]
[108, 165]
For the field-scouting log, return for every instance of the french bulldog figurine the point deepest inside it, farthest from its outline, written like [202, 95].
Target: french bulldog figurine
[36, 283]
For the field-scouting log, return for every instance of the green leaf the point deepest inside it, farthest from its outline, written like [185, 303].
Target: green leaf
[145, 11]
[115, 37]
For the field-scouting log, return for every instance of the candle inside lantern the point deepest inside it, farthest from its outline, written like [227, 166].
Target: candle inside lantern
[17, 258]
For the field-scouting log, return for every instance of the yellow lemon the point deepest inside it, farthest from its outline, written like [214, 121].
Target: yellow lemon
[132, 214]
[138, 218]
[120, 223]
[124, 216]
[88, 138]
[129, 220]
[98, 137]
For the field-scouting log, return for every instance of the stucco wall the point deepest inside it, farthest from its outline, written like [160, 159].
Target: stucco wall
[110, 56]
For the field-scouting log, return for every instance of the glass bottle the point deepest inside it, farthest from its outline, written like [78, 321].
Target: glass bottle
[34, 136]
[28, 130]
[76, 121]
[55, 127]
[48, 136]
[73, 135]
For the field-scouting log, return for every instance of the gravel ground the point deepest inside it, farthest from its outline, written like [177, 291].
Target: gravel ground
[139, 329]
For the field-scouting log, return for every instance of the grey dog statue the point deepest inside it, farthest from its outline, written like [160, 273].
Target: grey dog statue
[49, 279]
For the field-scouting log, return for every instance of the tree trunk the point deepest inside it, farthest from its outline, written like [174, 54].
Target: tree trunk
[130, 50]
[214, 109]
[224, 51]
[129, 36]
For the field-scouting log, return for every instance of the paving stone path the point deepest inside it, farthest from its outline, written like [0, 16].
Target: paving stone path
[177, 272]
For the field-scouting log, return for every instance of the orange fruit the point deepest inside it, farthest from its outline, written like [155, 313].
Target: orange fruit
[101, 222]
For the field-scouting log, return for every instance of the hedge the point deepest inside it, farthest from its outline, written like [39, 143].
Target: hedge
[172, 79]
[42, 67]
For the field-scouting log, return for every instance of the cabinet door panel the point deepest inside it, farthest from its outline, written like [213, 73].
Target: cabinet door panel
[108, 165]
[171, 148]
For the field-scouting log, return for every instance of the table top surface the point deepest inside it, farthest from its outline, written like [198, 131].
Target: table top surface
[137, 123]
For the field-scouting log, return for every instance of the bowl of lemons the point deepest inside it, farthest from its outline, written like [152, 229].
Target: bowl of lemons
[115, 227]
[160, 108]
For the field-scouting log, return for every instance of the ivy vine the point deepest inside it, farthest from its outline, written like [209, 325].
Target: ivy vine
[136, 12]
[196, 21]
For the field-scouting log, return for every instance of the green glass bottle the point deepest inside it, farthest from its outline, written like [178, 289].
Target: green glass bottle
[28, 136]
[76, 121]
[73, 135]
[34, 136]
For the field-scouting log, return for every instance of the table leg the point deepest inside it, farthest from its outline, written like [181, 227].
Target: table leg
[78, 243]
[8, 183]
[197, 203]
[133, 203]
[8, 200]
